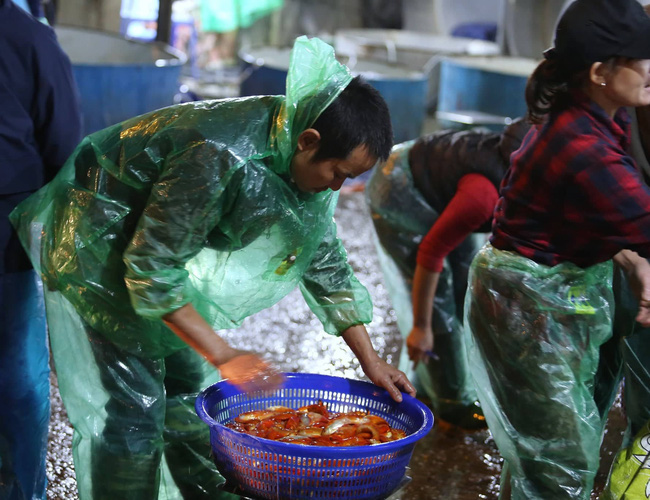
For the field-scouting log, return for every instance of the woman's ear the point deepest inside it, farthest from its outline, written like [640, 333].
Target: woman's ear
[597, 74]
[309, 139]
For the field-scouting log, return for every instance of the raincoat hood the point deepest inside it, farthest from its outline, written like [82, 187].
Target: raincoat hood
[306, 98]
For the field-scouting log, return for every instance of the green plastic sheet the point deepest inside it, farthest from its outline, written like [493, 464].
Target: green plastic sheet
[227, 15]
[536, 338]
[401, 218]
[188, 204]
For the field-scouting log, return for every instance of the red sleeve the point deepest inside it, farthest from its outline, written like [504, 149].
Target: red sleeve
[470, 208]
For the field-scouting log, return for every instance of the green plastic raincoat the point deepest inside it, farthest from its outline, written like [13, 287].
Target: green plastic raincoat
[545, 364]
[401, 218]
[191, 203]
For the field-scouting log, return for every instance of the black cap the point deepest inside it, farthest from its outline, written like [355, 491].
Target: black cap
[596, 30]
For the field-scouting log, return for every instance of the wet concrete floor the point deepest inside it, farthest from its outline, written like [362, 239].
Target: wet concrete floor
[448, 464]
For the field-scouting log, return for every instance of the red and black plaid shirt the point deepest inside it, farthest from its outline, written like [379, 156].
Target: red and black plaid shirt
[572, 192]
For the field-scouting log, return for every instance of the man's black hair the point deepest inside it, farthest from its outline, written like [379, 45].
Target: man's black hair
[358, 116]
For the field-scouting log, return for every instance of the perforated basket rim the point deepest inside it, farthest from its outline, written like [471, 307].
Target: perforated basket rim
[341, 452]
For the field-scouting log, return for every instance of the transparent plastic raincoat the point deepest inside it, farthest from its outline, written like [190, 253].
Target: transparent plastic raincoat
[535, 336]
[402, 217]
[191, 203]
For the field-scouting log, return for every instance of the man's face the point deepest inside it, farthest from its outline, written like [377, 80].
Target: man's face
[314, 176]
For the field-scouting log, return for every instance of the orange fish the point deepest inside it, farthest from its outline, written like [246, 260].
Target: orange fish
[315, 425]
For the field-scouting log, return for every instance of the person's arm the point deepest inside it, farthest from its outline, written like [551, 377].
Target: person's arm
[331, 289]
[57, 109]
[241, 368]
[375, 368]
[606, 196]
[470, 208]
[343, 304]
[420, 339]
[186, 203]
[638, 270]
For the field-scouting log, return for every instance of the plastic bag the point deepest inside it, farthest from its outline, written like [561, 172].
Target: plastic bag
[228, 15]
[630, 475]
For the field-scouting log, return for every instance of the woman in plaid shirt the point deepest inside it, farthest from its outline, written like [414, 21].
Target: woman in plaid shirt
[540, 307]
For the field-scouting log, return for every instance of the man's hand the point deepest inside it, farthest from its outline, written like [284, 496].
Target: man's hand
[250, 373]
[419, 344]
[375, 368]
[639, 280]
[643, 316]
[388, 377]
[244, 369]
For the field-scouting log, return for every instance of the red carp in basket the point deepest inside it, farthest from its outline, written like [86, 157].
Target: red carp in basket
[315, 425]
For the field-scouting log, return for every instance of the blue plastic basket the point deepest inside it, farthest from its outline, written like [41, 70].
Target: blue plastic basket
[278, 470]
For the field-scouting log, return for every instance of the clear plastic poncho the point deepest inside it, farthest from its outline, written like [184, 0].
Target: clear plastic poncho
[539, 341]
[401, 218]
[194, 203]
[191, 203]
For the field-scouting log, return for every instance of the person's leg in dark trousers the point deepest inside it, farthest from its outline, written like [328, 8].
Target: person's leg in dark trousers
[126, 455]
[24, 384]
[24, 368]
[187, 437]
[401, 218]
[634, 351]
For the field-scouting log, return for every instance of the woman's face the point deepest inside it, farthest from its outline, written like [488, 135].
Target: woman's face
[628, 84]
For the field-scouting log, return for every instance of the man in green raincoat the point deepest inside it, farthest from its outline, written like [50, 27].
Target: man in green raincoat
[166, 227]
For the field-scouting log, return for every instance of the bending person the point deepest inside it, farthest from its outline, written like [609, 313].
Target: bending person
[165, 227]
[429, 204]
